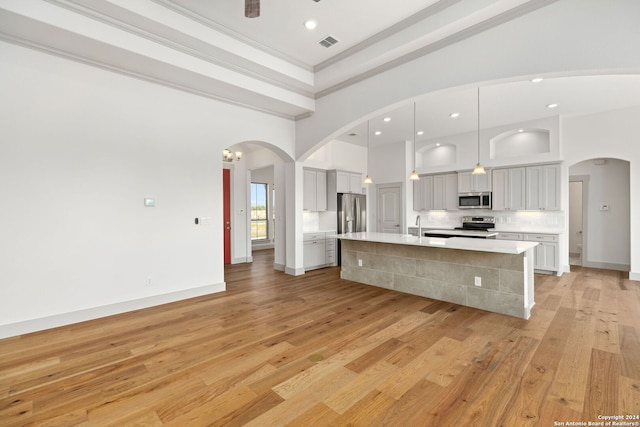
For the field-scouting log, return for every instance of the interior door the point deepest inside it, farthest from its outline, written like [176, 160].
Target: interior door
[226, 214]
[390, 209]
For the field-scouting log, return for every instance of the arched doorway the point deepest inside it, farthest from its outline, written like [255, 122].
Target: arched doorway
[257, 156]
[599, 214]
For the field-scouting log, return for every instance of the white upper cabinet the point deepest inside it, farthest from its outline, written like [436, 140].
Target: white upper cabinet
[543, 187]
[509, 189]
[315, 190]
[469, 183]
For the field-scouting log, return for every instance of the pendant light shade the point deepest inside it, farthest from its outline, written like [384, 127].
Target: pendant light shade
[414, 175]
[479, 169]
[367, 179]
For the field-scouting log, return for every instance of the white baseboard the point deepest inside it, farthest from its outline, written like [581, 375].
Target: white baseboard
[607, 266]
[242, 260]
[634, 276]
[48, 322]
[294, 271]
[279, 267]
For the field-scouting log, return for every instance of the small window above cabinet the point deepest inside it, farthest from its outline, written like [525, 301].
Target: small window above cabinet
[315, 190]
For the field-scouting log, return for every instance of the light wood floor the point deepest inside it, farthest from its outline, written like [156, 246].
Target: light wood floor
[316, 350]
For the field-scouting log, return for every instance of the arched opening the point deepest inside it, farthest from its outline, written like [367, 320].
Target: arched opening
[599, 214]
[258, 222]
[520, 142]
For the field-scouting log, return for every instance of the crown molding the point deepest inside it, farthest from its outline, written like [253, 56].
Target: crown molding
[426, 13]
[217, 57]
[188, 13]
[140, 76]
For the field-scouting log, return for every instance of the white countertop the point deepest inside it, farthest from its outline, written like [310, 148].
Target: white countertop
[464, 243]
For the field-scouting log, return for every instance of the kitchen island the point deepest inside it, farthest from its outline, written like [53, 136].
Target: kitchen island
[493, 275]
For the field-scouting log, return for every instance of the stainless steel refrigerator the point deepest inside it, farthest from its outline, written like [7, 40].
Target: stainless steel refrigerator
[352, 216]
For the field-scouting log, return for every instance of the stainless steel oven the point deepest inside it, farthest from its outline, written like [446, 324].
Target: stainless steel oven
[481, 200]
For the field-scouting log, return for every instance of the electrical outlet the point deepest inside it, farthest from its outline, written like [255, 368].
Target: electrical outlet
[148, 280]
[478, 281]
[359, 263]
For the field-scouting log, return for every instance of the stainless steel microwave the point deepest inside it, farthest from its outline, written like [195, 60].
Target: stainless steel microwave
[481, 200]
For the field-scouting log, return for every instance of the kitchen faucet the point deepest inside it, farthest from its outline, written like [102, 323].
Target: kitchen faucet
[419, 226]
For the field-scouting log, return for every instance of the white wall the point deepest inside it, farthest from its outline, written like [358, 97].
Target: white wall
[80, 149]
[339, 155]
[467, 148]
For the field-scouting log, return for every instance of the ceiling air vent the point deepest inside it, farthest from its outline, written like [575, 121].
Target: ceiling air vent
[328, 41]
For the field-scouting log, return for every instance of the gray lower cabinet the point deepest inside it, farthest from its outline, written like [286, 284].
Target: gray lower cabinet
[545, 255]
[319, 251]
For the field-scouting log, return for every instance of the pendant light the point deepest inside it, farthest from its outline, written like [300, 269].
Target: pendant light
[414, 175]
[367, 179]
[479, 169]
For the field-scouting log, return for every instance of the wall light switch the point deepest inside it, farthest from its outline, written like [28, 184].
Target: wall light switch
[604, 207]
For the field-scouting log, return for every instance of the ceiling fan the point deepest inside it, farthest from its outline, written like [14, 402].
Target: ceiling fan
[252, 8]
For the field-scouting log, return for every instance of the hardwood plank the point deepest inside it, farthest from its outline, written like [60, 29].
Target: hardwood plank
[320, 414]
[630, 352]
[314, 350]
[602, 389]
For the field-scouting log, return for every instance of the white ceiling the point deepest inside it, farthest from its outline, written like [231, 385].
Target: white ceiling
[273, 64]
[280, 26]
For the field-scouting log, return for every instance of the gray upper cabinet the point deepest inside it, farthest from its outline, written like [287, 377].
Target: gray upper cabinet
[527, 188]
[436, 192]
[543, 187]
[348, 182]
[315, 190]
[341, 182]
[469, 183]
[509, 189]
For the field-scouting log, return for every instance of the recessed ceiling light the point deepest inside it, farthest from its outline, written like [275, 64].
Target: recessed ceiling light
[438, 144]
[536, 80]
[454, 115]
[378, 132]
[310, 24]
[387, 119]
[520, 130]
[420, 132]
[552, 105]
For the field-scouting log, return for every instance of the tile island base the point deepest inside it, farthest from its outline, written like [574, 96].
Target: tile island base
[443, 273]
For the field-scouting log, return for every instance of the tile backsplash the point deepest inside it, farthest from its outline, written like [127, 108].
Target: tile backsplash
[521, 220]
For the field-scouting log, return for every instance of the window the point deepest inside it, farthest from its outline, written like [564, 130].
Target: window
[259, 212]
